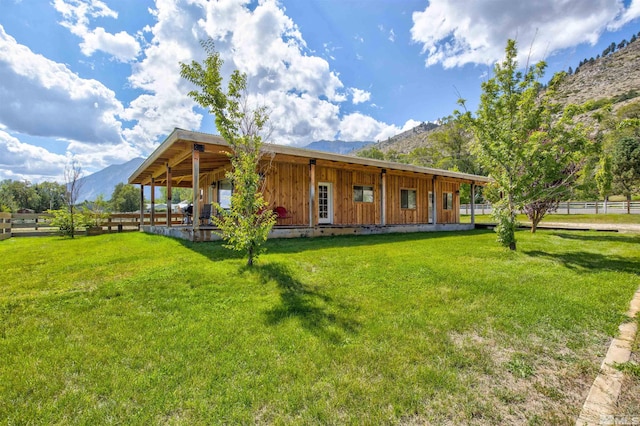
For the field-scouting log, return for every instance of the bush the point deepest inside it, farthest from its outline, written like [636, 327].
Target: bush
[62, 220]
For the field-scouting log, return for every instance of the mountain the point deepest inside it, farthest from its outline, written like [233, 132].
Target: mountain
[104, 181]
[337, 147]
[408, 140]
[613, 78]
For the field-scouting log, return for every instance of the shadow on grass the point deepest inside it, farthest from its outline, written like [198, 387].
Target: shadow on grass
[591, 262]
[214, 250]
[314, 310]
[606, 237]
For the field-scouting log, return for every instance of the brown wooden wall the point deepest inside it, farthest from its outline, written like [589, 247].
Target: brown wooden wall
[452, 215]
[395, 214]
[345, 210]
[287, 185]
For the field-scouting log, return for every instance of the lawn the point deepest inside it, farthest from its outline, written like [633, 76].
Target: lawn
[566, 218]
[414, 328]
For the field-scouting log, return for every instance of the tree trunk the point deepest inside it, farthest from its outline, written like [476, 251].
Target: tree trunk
[534, 225]
[512, 246]
[606, 202]
[250, 256]
[628, 203]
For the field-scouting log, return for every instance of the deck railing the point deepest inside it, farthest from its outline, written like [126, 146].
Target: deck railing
[39, 224]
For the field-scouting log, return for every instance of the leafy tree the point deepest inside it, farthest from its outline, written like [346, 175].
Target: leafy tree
[96, 212]
[246, 225]
[125, 198]
[68, 222]
[372, 152]
[50, 196]
[626, 167]
[604, 178]
[177, 194]
[16, 194]
[519, 140]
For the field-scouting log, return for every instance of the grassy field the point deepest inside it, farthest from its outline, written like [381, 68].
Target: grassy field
[442, 328]
[566, 218]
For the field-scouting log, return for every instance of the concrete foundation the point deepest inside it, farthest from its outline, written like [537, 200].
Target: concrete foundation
[208, 233]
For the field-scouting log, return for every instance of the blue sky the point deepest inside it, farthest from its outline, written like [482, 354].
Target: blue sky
[98, 80]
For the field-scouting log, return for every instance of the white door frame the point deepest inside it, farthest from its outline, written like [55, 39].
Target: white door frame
[329, 218]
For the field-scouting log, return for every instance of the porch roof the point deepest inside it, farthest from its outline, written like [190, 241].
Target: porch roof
[176, 152]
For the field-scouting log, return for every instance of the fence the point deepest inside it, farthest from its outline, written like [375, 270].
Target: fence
[5, 226]
[572, 207]
[39, 224]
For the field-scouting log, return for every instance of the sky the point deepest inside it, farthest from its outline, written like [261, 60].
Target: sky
[98, 81]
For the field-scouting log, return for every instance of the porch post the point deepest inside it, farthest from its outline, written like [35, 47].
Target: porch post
[153, 201]
[434, 194]
[169, 210]
[312, 191]
[383, 197]
[141, 205]
[473, 203]
[197, 149]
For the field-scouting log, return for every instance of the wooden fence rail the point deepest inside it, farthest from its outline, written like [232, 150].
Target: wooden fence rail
[39, 224]
[5, 226]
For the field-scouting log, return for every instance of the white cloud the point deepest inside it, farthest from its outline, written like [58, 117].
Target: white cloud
[630, 14]
[44, 98]
[359, 95]
[19, 161]
[457, 32]
[300, 89]
[392, 35]
[76, 13]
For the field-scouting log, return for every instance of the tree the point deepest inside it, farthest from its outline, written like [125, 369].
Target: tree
[125, 198]
[520, 141]
[67, 219]
[50, 196]
[604, 179]
[246, 225]
[626, 167]
[372, 152]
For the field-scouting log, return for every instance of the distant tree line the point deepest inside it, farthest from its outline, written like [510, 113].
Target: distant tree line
[606, 52]
[41, 197]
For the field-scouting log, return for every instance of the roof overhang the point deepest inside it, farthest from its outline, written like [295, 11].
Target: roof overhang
[176, 152]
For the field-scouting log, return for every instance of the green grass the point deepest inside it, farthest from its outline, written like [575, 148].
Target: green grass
[566, 218]
[443, 328]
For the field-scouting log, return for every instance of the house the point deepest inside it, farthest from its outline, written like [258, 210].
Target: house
[321, 193]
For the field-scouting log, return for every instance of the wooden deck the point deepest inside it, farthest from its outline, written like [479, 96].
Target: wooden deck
[207, 233]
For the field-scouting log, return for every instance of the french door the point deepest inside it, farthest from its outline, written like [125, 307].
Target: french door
[325, 202]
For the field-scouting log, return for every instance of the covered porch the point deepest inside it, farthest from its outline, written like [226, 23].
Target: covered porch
[319, 193]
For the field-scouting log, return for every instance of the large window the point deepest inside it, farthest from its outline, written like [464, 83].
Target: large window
[447, 201]
[363, 194]
[224, 193]
[408, 198]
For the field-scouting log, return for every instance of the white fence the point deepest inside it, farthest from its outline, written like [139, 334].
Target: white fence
[573, 207]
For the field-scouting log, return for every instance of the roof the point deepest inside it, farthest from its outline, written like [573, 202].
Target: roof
[176, 151]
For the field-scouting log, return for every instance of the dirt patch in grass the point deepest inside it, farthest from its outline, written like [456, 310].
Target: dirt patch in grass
[533, 381]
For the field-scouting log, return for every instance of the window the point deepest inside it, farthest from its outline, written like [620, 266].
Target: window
[363, 194]
[224, 193]
[447, 201]
[407, 198]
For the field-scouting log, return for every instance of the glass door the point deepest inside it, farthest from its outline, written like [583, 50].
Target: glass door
[325, 203]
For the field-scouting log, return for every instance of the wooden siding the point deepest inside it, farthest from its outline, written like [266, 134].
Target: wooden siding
[287, 185]
[452, 215]
[346, 211]
[397, 215]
